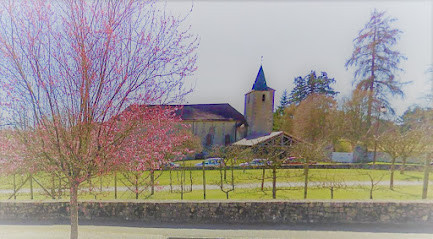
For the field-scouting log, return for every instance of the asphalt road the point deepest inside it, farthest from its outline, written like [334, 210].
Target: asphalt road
[219, 231]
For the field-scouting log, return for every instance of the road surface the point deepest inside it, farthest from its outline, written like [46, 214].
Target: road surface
[218, 231]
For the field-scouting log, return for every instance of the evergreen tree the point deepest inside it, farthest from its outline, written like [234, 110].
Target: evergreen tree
[375, 62]
[311, 84]
[284, 102]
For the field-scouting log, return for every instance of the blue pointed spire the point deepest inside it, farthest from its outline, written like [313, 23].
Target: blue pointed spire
[260, 83]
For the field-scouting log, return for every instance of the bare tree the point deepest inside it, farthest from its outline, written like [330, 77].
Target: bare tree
[308, 153]
[333, 183]
[70, 67]
[374, 179]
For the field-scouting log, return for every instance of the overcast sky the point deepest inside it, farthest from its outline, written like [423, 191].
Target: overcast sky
[295, 37]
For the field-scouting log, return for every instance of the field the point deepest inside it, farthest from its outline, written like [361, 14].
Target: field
[188, 185]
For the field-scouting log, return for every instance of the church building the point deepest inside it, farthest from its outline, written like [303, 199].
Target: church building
[222, 125]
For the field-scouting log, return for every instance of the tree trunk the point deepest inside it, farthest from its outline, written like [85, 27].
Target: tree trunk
[204, 181]
[372, 80]
[136, 186]
[274, 182]
[332, 192]
[171, 181]
[152, 182]
[374, 152]
[182, 176]
[31, 186]
[190, 179]
[263, 178]
[426, 176]
[115, 185]
[53, 186]
[305, 180]
[15, 187]
[370, 104]
[60, 187]
[403, 165]
[74, 210]
[391, 180]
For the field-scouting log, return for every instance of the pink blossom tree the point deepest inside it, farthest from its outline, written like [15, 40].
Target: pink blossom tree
[70, 67]
[162, 138]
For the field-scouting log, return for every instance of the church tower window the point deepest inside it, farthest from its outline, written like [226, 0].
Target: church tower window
[263, 97]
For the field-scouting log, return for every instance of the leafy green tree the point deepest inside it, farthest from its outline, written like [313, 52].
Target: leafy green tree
[416, 117]
[419, 119]
[311, 84]
[355, 110]
[376, 63]
[284, 121]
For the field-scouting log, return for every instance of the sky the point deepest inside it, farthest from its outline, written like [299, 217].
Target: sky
[295, 37]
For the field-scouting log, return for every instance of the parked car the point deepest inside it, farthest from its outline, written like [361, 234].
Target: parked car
[256, 163]
[291, 160]
[295, 161]
[171, 165]
[211, 162]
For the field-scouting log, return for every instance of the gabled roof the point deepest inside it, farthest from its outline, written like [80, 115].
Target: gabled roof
[260, 82]
[209, 112]
[217, 112]
[282, 137]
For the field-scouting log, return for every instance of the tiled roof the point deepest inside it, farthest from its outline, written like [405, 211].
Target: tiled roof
[221, 112]
[215, 112]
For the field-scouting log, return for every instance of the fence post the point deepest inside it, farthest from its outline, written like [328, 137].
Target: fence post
[31, 186]
[204, 181]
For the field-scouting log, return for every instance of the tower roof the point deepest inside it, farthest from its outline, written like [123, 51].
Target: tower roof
[260, 83]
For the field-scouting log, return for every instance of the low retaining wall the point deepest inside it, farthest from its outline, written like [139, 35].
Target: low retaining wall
[228, 212]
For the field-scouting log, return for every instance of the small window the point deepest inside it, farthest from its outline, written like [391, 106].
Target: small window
[263, 97]
[227, 140]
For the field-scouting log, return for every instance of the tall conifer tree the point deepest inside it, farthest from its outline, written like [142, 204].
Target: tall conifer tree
[375, 61]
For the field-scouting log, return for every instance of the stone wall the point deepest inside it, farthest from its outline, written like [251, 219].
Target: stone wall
[229, 212]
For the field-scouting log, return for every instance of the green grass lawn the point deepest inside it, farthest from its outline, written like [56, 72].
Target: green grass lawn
[214, 176]
[350, 193]
[255, 175]
[251, 176]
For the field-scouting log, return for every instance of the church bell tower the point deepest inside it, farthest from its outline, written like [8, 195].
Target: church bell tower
[259, 106]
